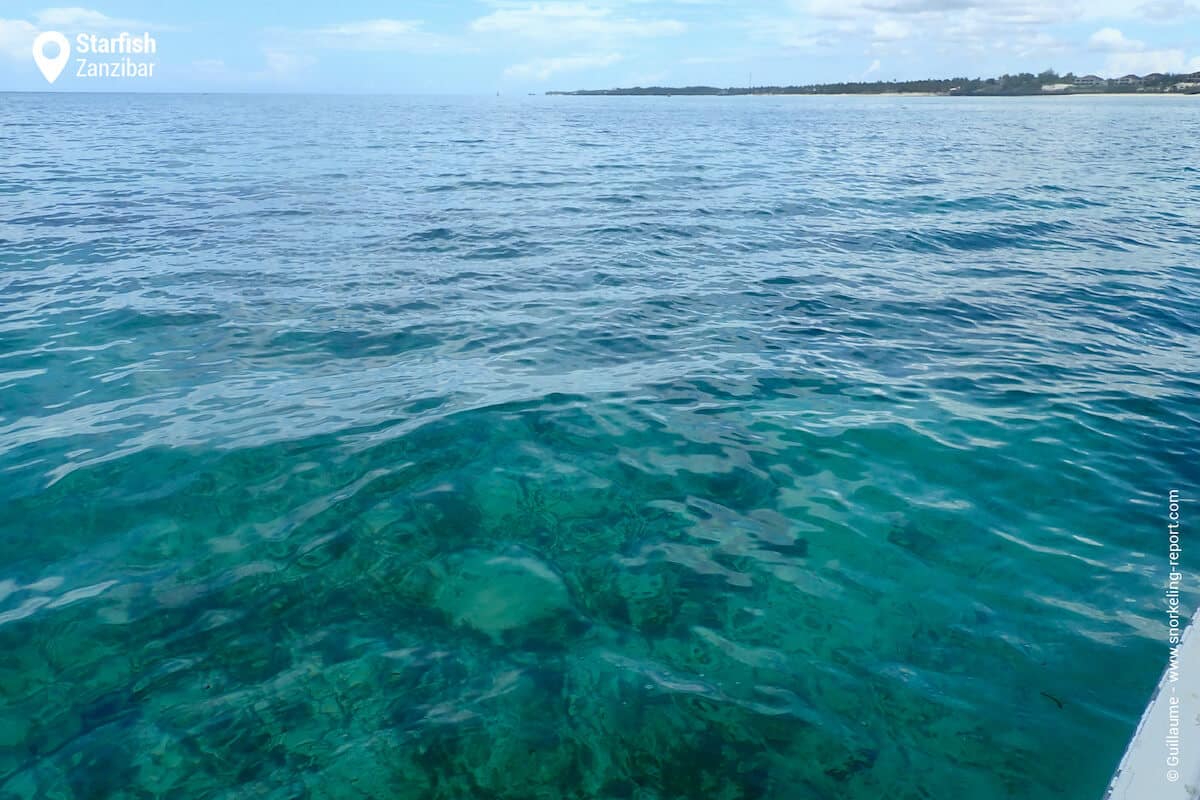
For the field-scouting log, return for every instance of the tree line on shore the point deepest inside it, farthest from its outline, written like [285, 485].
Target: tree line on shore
[1023, 83]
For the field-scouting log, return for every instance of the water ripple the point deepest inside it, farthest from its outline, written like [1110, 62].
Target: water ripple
[612, 447]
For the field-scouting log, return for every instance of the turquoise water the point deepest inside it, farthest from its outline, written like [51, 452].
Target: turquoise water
[567, 447]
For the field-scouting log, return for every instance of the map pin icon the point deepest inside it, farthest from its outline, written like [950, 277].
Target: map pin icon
[51, 67]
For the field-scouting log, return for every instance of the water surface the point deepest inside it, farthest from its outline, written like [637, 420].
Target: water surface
[588, 447]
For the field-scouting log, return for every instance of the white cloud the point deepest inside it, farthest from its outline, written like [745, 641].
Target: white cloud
[1167, 10]
[1110, 9]
[793, 34]
[977, 26]
[1029, 44]
[570, 21]
[1013, 34]
[1147, 61]
[931, 12]
[997, 12]
[1133, 56]
[279, 65]
[283, 65]
[1112, 40]
[84, 19]
[891, 30]
[543, 68]
[713, 60]
[871, 70]
[376, 34]
[17, 35]
[16, 38]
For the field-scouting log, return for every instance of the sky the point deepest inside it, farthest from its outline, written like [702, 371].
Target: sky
[513, 46]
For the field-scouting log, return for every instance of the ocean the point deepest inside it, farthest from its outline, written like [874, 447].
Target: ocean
[547, 447]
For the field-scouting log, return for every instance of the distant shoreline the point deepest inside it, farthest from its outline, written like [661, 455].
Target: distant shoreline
[869, 94]
[1025, 84]
[942, 94]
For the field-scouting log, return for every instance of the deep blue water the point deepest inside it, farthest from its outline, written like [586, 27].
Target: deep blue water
[589, 447]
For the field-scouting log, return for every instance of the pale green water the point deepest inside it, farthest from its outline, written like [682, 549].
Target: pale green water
[615, 448]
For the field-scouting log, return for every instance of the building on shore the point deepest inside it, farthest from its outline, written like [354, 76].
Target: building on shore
[1091, 82]
[1056, 88]
[1128, 80]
